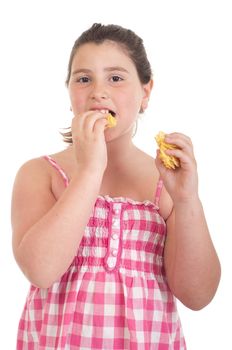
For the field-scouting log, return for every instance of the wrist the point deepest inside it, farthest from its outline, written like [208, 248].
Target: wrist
[90, 174]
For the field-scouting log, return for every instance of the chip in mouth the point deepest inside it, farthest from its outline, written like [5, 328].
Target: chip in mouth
[112, 122]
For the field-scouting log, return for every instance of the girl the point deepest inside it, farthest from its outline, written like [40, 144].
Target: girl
[107, 236]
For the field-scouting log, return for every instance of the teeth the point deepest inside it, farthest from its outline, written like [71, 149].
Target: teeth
[107, 111]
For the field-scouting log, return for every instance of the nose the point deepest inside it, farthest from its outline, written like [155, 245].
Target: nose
[99, 91]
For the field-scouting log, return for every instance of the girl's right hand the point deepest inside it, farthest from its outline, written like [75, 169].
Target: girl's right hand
[89, 141]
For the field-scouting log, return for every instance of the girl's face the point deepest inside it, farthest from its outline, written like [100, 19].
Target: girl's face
[103, 77]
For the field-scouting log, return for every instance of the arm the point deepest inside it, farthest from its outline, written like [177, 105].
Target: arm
[191, 263]
[46, 232]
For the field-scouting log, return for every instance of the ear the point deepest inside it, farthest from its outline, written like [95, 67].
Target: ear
[147, 88]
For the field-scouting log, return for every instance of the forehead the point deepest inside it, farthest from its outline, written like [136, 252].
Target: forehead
[105, 52]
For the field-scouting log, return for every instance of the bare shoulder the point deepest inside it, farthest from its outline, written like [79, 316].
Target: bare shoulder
[32, 171]
[33, 176]
[37, 175]
[35, 171]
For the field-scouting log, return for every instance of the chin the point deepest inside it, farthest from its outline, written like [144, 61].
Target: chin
[109, 135]
[109, 138]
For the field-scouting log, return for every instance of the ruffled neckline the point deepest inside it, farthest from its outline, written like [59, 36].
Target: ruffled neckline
[122, 199]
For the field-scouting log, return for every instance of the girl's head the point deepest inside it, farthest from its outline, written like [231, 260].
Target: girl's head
[108, 69]
[131, 43]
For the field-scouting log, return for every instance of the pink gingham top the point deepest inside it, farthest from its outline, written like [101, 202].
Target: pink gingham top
[114, 294]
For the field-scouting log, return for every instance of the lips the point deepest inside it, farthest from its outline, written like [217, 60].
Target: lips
[105, 111]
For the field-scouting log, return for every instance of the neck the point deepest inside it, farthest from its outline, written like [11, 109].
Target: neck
[119, 152]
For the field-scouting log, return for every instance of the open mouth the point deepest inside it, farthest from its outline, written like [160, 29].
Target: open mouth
[112, 113]
[107, 111]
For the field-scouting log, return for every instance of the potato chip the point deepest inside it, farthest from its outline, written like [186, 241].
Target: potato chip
[169, 161]
[112, 122]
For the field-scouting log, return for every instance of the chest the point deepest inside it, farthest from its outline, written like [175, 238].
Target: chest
[138, 185]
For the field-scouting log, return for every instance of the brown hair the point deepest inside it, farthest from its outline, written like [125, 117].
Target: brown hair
[129, 41]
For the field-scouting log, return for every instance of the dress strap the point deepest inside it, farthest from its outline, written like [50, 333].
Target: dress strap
[158, 191]
[57, 167]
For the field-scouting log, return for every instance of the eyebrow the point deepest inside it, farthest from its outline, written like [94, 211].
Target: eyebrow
[107, 69]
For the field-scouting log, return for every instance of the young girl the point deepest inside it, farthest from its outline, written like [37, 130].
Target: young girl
[107, 236]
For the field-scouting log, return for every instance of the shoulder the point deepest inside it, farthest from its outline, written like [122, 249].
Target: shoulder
[39, 173]
[39, 166]
[144, 160]
[33, 169]
[32, 177]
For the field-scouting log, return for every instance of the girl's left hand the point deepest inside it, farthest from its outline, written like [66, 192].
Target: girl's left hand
[182, 182]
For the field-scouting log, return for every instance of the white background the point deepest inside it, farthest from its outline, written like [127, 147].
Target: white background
[189, 47]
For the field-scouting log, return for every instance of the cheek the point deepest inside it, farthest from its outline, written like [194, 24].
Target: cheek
[135, 97]
[77, 101]
[134, 104]
[131, 100]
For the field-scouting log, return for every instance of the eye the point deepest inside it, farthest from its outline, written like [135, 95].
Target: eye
[116, 78]
[84, 79]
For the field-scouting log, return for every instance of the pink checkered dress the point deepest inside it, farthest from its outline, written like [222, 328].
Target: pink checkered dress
[114, 294]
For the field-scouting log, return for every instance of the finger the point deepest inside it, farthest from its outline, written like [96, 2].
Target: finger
[85, 122]
[178, 137]
[91, 120]
[184, 158]
[79, 119]
[77, 125]
[182, 142]
[100, 126]
[179, 134]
